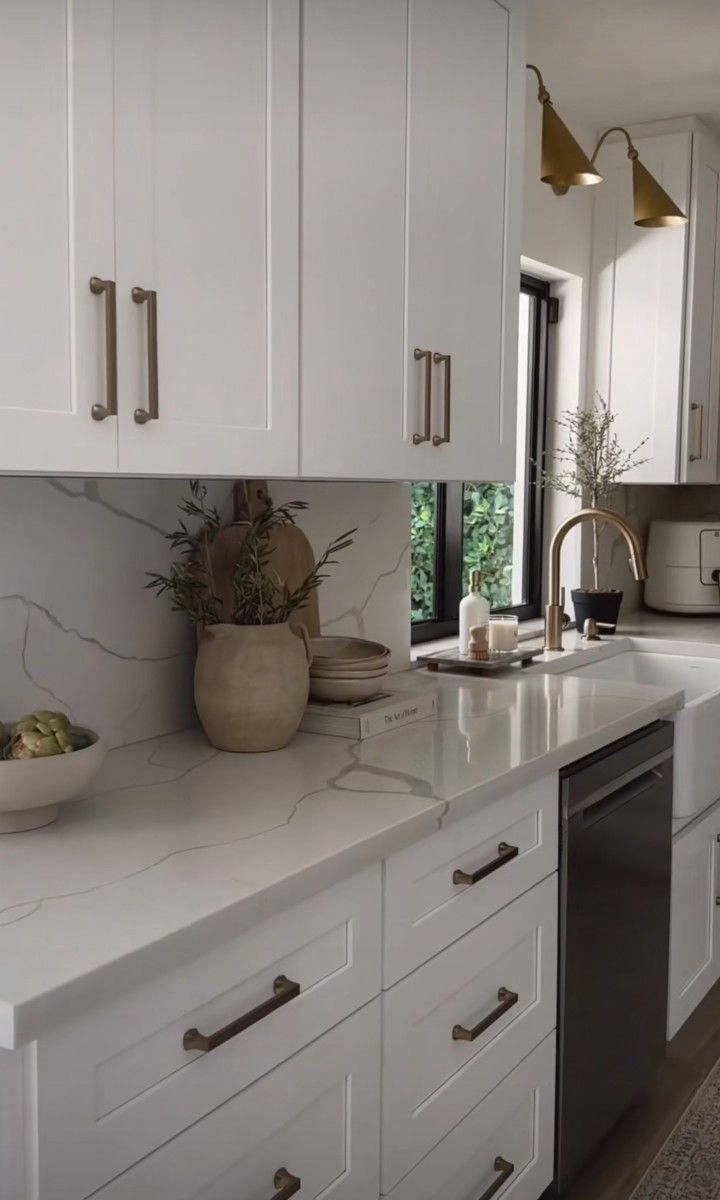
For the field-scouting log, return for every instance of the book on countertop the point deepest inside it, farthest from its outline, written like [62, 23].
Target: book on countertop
[366, 720]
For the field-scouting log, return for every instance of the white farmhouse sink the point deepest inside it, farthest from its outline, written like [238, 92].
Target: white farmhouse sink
[697, 725]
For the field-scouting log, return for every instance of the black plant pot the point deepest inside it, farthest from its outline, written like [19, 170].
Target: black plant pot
[603, 607]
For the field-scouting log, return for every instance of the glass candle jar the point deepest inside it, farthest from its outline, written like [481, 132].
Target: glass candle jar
[503, 632]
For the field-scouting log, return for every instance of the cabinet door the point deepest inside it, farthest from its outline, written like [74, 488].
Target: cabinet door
[699, 454]
[207, 180]
[638, 306]
[410, 242]
[695, 929]
[56, 216]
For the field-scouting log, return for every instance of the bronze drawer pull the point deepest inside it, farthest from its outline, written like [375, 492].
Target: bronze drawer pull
[152, 412]
[106, 288]
[283, 990]
[419, 438]
[507, 1000]
[437, 440]
[505, 854]
[506, 1169]
[286, 1184]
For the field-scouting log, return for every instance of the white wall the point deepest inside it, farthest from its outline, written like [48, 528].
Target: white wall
[80, 632]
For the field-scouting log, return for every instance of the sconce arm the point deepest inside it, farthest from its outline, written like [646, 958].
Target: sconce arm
[543, 93]
[631, 151]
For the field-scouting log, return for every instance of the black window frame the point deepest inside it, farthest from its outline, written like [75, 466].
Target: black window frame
[449, 502]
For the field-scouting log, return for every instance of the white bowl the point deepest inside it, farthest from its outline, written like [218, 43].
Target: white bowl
[348, 673]
[31, 789]
[344, 691]
[342, 651]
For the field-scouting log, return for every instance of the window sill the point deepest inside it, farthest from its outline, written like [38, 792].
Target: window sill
[529, 631]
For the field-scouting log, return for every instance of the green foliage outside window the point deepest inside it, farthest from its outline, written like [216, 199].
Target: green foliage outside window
[422, 550]
[487, 543]
[488, 539]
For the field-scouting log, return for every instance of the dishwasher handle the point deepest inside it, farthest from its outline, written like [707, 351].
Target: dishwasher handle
[597, 811]
[577, 798]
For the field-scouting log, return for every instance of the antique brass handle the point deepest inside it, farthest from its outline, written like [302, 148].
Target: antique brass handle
[698, 408]
[437, 440]
[286, 1184]
[152, 412]
[419, 438]
[507, 1000]
[284, 990]
[505, 1170]
[106, 287]
[504, 855]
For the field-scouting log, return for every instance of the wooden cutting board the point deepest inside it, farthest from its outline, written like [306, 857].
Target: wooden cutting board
[292, 557]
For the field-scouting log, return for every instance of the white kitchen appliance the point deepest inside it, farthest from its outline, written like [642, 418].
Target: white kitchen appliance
[683, 565]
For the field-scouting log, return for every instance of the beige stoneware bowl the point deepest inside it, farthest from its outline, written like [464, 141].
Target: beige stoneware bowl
[32, 789]
[343, 691]
[339, 652]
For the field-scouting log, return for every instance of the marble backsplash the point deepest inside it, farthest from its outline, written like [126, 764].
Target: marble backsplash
[79, 632]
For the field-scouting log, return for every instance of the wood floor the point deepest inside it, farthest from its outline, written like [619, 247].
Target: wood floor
[636, 1139]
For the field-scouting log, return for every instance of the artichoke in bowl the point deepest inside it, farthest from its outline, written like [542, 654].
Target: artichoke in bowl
[41, 734]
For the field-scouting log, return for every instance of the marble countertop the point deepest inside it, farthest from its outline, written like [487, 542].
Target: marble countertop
[180, 847]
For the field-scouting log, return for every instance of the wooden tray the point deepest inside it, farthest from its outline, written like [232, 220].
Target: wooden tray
[453, 660]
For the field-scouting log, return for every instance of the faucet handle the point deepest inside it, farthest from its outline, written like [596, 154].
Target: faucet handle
[590, 631]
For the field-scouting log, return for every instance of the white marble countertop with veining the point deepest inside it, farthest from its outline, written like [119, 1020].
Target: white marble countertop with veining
[181, 847]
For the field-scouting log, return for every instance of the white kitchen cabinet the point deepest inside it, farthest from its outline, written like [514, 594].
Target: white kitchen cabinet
[206, 210]
[695, 917]
[654, 345]
[411, 182]
[56, 216]
[315, 1119]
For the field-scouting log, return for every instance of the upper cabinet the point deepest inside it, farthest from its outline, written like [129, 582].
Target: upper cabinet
[206, 210]
[57, 221]
[265, 237]
[654, 348]
[410, 237]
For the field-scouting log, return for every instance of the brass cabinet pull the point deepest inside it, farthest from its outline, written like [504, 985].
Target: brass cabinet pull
[419, 438]
[437, 440]
[152, 412]
[283, 990]
[505, 1170]
[106, 288]
[505, 854]
[698, 408]
[507, 1000]
[286, 1184]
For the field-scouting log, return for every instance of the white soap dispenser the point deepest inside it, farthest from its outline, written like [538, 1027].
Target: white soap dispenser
[474, 610]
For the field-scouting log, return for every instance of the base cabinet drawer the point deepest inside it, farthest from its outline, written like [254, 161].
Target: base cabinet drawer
[438, 889]
[139, 1080]
[313, 1120]
[460, 1023]
[504, 1148]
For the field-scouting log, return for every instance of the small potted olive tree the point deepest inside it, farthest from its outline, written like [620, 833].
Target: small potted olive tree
[591, 466]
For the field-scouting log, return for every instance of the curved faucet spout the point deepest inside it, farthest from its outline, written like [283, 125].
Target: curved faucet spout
[554, 607]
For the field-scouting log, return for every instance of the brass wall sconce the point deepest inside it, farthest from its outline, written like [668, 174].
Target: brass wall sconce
[564, 165]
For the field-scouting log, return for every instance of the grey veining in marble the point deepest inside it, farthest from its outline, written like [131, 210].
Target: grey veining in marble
[79, 631]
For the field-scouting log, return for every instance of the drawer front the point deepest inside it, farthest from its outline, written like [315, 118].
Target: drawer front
[314, 1118]
[512, 1128]
[135, 1085]
[496, 986]
[427, 906]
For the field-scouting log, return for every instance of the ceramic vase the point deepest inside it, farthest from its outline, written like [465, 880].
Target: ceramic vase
[251, 685]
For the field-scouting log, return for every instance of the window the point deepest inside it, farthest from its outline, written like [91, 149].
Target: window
[496, 527]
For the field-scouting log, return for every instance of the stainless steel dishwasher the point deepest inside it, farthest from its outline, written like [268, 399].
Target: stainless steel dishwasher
[616, 843]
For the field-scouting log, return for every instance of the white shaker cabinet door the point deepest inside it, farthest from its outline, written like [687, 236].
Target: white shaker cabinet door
[56, 217]
[638, 306]
[411, 130]
[207, 183]
[694, 924]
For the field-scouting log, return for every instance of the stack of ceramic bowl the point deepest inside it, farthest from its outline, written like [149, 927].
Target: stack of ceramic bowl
[347, 670]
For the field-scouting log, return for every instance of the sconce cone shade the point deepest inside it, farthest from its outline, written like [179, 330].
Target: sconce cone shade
[564, 162]
[653, 207]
